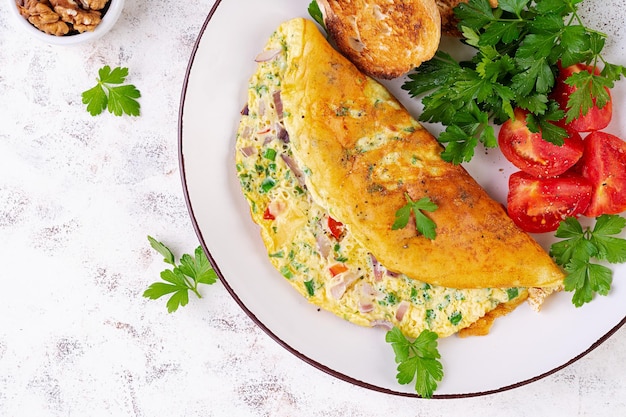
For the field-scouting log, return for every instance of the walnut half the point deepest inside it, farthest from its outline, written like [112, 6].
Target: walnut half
[60, 17]
[41, 15]
[93, 4]
[80, 19]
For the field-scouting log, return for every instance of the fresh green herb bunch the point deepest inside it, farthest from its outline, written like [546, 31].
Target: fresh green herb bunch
[519, 47]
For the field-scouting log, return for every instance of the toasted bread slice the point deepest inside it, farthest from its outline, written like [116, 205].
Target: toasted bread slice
[384, 39]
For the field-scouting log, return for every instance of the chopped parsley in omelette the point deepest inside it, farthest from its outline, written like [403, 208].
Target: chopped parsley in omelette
[316, 254]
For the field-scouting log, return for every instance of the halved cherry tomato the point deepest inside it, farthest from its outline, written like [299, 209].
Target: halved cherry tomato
[604, 165]
[596, 118]
[533, 155]
[335, 227]
[338, 269]
[538, 205]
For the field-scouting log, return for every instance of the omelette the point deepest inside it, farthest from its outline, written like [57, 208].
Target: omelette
[308, 240]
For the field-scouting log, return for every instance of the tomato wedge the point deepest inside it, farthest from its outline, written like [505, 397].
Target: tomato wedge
[538, 205]
[533, 155]
[604, 165]
[596, 118]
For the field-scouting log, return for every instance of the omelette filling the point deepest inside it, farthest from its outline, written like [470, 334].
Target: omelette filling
[319, 256]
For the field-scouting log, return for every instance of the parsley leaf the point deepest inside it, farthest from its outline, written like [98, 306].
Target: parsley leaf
[611, 249]
[191, 271]
[316, 13]
[168, 256]
[417, 360]
[585, 279]
[588, 87]
[518, 46]
[579, 246]
[423, 224]
[109, 94]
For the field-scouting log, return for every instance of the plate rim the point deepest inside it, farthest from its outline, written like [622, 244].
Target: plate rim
[267, 330]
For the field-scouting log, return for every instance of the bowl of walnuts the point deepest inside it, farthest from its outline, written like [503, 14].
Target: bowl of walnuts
[67, 22]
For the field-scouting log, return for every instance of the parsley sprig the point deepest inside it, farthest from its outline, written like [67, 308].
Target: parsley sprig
[417, 360]
[423, 224]
[518, 47]
[316, 13]
[110, 93]
[580, 246]
[181, 279]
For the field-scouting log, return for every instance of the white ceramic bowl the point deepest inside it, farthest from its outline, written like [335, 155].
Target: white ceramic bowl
[108, 21]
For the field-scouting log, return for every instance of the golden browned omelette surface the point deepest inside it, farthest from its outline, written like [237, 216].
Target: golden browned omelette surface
[363, 152]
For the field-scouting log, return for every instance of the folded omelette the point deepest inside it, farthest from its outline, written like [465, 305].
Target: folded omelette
[326, 156]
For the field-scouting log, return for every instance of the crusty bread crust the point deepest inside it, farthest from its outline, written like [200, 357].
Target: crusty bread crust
[384, 39]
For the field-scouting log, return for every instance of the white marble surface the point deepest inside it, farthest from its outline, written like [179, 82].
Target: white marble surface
[79, 194]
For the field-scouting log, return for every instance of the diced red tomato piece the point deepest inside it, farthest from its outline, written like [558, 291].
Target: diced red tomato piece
[335, 227]
[604, 165]
[596, 118]
[533, 155]
[338, 269]
[538, 205]
[267, 214]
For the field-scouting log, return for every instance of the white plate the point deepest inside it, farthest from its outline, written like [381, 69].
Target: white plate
[522, 347]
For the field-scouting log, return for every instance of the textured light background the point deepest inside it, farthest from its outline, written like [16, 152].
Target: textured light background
[79, 194]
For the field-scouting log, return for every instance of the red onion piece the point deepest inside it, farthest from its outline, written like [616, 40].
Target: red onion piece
[246, 132]
[267, 55]
[323, 244]
[365, 306]
[402, 309]
[340, 283]
[248, 151]
[293, 166]
[367, 289]
[376, 268]
[382, 323]
[393, 274]
[278, 104]
[282, 133]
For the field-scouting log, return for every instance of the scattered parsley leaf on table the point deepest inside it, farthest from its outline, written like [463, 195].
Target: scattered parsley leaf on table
[417, 360]
[191, 271]
[110, 93]
[579, 246]
[423, 224]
